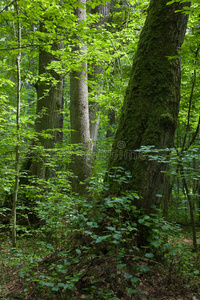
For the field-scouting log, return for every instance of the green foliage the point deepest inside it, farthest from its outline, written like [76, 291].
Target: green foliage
[73, 234]
[109, 49]
[78, 239]
[182, 262]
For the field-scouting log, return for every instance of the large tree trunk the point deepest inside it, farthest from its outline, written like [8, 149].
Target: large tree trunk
[49, 105]
[151, 105]
[49, 113]
[79, 117]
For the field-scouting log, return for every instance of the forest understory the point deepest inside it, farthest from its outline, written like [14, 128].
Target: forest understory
[94, 275]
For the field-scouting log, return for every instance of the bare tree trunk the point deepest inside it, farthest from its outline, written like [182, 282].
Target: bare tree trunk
[191, 206]
[79, 116]
[14, 231]
[111, 123]
[94, 112]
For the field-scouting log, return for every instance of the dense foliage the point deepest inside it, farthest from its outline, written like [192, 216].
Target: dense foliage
[71, 246]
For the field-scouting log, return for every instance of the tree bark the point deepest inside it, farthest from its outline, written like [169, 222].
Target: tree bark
[151, 105]
[79, 116]
[48, 109]
[17, 149]
[111, 123]
[49, 116]
[191, 206]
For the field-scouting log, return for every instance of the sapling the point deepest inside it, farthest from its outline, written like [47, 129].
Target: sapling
[14, 235]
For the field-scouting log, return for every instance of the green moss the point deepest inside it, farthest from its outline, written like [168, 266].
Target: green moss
[167, 119]
[151, 103]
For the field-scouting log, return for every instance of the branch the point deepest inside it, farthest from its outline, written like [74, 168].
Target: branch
[7, 6]
[27, 46]
[194, 136]
[189, 110]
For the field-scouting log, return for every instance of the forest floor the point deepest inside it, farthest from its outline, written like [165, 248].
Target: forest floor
[156, 280]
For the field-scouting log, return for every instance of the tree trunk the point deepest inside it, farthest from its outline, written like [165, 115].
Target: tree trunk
[94, 109]
[191, 206]
[17, 149]
[151, 105]
[111, 123]
[94, 112]
[79, 117]
[49, 105]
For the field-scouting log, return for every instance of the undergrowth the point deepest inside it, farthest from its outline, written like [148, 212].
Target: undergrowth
[87, 248]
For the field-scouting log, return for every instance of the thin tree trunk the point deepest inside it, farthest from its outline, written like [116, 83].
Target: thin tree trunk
[111, 123]
[14, 231]
[191, 206]
[94, 112]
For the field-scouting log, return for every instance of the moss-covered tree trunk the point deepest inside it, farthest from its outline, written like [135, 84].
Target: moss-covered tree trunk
[151, 104]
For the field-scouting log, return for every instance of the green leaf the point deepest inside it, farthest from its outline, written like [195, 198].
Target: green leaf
[110, 228]
[128, 276]
[50, 284]
[102, 238]
[166, 227]
[120, 266]
[78, 251]
[135, 281]
[117, 236]
[144, 268]
[149, 255]
[88, 232]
